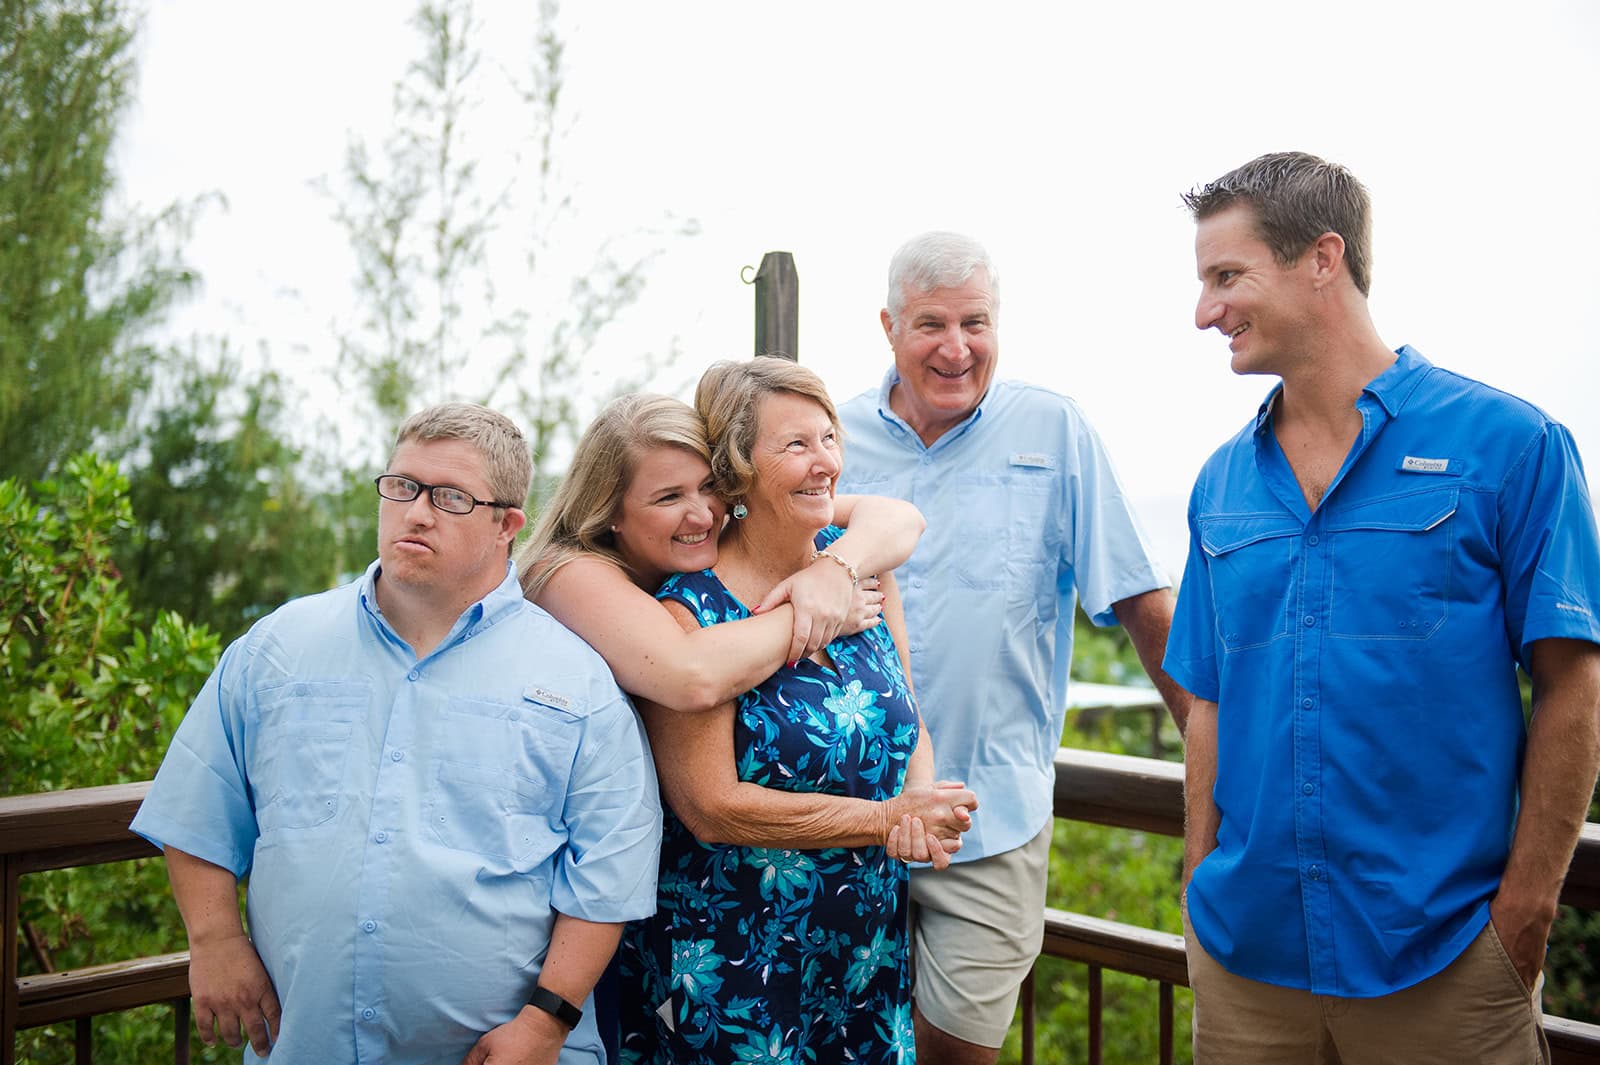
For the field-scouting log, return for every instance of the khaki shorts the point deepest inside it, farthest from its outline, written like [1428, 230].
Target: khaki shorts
[1477, 1009]
[977, 929]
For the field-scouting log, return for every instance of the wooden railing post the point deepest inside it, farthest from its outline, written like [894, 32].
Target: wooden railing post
[9, 875]
[778, 306]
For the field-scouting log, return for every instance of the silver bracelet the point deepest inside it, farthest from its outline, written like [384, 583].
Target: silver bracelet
[848, 568]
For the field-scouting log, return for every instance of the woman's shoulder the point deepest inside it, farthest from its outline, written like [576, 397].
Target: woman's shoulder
[705, 595]
[584, 584]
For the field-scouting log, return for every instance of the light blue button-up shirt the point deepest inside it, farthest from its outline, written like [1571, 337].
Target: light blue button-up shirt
[411, 828]
[1363, 658]
[1024, 514]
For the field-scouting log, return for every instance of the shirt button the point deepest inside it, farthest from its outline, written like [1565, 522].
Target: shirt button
[396, 755]
[382, 837]
[1307, 703]
[1315, 872]
[1310, 621]
[1308, 788]
[1312, 540]
[368, 1013]
[413, 675]
[369, 926]
[927, 460]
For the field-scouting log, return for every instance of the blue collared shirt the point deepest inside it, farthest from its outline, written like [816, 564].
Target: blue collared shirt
[1363, 658]
[1024, 514]
[411, 828]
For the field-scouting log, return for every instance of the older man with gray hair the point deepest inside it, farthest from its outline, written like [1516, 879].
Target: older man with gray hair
[1025, 516]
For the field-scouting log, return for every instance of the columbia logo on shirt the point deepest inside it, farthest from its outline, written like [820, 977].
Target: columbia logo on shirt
[548, 698]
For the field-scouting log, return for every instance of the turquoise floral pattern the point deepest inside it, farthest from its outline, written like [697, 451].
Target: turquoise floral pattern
[783, 955]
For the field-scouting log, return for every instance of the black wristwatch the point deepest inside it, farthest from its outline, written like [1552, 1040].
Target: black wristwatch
[556, 1006]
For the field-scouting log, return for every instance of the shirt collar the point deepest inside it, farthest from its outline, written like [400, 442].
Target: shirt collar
[1391, 388]
[886, 412]
[1394, 386]
[505, 598]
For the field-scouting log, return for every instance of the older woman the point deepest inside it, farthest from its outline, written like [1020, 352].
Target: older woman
[775, 940]
[637, 506]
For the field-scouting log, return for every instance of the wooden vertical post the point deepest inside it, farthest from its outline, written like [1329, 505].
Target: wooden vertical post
[10, 873]
[778, 306]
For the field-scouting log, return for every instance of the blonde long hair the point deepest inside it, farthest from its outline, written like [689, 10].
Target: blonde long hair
[577, 521]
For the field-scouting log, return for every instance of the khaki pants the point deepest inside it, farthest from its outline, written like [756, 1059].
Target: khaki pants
[1477, 1011]
[976, 929]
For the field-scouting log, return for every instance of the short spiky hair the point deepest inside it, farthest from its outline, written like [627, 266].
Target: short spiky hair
[507, 463]
[1296, 198]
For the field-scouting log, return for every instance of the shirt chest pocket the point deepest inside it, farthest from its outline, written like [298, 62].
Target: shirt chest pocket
[1251, 564]
[1012, 534]
[302, 744]
[499, 783]
[1392, 565]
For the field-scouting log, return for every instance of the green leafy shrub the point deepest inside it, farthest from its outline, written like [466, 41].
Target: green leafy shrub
[90, 693]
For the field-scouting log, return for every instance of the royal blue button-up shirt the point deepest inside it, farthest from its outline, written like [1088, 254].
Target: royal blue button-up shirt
[411, 828]
[1025, 514]
[1363, 658]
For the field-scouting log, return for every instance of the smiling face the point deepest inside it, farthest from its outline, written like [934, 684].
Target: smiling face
[945, 346]
[426, 550]
[669, 518]
[1262, 306]
[797, 462]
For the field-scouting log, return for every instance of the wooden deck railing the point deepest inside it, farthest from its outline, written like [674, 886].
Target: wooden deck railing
[89, 826]
[1147, 795]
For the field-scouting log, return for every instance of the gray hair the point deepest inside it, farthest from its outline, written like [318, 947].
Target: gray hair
[938, 260]
[1296, 198]
[507, 463]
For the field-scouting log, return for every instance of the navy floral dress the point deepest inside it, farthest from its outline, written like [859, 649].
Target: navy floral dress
[766, 955]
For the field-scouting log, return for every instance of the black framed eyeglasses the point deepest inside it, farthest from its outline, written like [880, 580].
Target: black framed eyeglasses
[448, 498]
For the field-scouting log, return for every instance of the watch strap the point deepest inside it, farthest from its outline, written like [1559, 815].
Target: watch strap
[545, 999]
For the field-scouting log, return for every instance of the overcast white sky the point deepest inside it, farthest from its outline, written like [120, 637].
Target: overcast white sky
[1058, 134]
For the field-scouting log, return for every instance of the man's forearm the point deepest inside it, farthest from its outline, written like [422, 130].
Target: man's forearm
[207, 896]
[1148, 619]
[579, 953]
[1558, 775]
[1200, 816]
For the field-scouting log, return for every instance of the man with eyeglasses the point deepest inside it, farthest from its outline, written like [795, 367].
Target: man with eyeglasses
[444, 805]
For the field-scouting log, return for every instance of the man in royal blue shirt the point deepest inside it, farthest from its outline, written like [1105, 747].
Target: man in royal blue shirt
[1375, 842]
[444, 805]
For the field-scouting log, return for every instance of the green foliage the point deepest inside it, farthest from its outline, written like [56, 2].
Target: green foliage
[228, 527]
[77, 287]
[90, 694]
